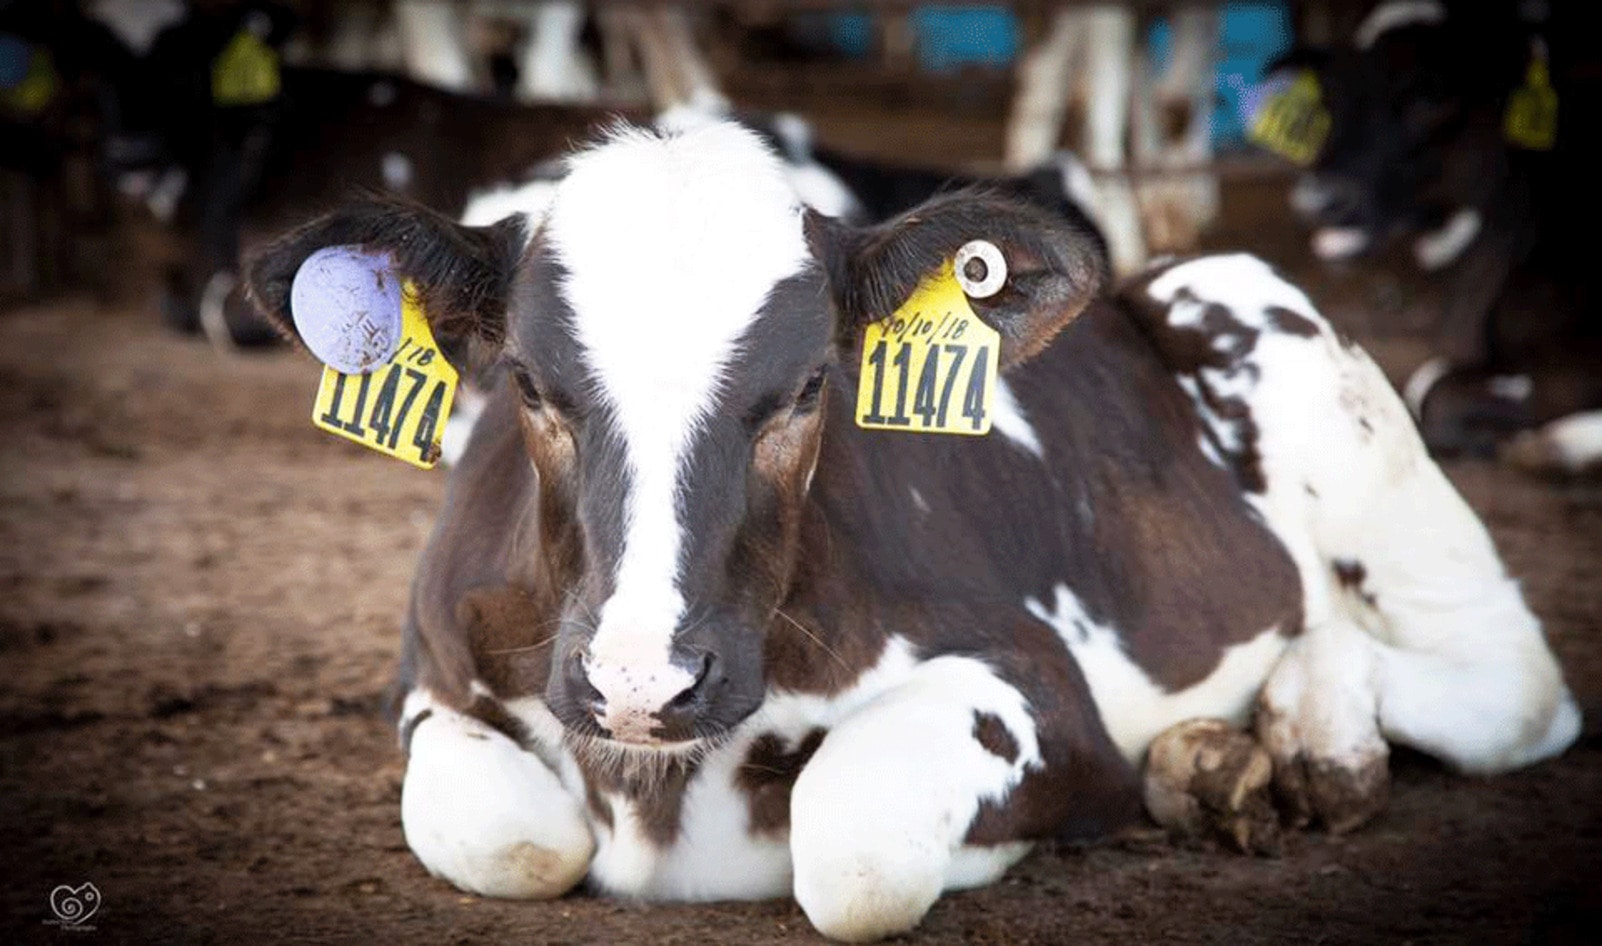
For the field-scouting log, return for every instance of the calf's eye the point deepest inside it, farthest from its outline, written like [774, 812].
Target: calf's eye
[525, 387]
[808, 396]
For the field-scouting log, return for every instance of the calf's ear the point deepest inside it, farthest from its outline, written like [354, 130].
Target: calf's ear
[1055, 262]
[462, 274]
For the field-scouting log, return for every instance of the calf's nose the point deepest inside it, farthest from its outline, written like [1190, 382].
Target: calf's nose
[645, 703]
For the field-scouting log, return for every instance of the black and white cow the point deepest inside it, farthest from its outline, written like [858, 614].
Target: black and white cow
[1419, 149]
[686, 630]
[222, 175]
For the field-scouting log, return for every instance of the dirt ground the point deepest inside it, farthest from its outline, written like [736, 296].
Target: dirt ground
[199, 600]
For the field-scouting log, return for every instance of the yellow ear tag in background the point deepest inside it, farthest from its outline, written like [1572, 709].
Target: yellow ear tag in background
[246, 73]
[400, 409]
[1531, 118]
[1293, 122]
[37, 88]
[931, 367]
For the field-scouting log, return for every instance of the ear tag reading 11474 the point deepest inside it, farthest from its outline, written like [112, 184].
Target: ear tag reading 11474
[931, 366]
[386, 384]
[1531, 118]
[1290, 118]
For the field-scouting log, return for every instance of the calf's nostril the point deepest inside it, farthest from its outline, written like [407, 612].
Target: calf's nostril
[693, 692]
[580, 689]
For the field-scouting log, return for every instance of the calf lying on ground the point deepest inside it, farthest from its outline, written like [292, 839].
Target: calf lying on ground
[687, 629]
[1439, 133]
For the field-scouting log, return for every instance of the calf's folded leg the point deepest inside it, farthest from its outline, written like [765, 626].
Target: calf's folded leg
[485, 814]
[880, 815]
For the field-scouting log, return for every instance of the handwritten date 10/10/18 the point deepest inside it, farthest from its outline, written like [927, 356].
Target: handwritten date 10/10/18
[928, 375]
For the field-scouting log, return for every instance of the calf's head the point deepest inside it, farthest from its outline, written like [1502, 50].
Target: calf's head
[673, 329]
[1415, 142]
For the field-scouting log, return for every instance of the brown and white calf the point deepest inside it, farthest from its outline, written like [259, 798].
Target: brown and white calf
[684, 629]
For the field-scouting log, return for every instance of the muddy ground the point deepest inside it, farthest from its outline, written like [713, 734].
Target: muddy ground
[198, 619]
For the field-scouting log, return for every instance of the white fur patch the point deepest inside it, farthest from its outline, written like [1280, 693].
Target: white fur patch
[163, 198]
[1422, 381]
[1133, 708]
[1440, 248]
[671, 245]
[1571, 444]
[397, 171]
[823, 191]
[1244, 283]
[495, 204]
[1339, 243]
[814, 185]
[1310, 196]
[880, 813]
[484, 814]
[1008, 419]
[138, 22]
[1395, 14]
[1077, 183]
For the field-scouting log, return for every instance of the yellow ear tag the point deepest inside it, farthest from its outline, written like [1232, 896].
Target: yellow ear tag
[400, 409]
[931, 367]
[36, 89]
[1531, 117]
[1293, 122]
[246, 73]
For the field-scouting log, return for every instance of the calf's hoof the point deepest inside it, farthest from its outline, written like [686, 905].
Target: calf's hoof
[489, 817]
[1206, 779]
[1318, 717]
[1339, 797]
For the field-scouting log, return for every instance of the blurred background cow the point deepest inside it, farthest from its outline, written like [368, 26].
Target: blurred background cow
[173, 133]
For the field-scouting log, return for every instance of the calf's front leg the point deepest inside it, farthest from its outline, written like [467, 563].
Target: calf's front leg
[484, 813]
[880, 816]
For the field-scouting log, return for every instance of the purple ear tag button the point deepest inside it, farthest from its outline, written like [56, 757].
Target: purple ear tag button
[347, 308]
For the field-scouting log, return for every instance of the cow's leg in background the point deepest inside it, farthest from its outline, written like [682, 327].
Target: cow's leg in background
[878, 816]
[676, 71]
[1045, 86]
[483, 812]
[1415, 633]
[1179, 198]
[359, 35]
[434, 43]
[1109, 58]
[235, 163]
[1092, 47]
[1569, 446]
[552, 65]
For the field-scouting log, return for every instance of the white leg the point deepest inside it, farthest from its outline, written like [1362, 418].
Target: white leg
[1180, 200]
[434, 43]
[484, 814]
[1569, 445]
[1045, 84]
[350, 40]
[698, 87]
[1109, 57]
[879, 815]
[552, 64]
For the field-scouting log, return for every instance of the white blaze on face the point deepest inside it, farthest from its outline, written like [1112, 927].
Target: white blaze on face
[671, 246]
